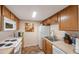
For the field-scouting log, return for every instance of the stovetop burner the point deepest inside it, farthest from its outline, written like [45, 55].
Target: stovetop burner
[7, 40]
[2, 44]
[11, 40]
[8, 44]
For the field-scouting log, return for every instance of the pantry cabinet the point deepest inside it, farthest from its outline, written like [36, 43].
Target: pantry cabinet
[47, 46]
[6, 12]
[69, 19]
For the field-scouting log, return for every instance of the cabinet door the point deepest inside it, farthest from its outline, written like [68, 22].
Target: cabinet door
[12, 16]
[0, 19]
[17, 23]
[54, 19]
[78, 18]
[59, 20]
[48, 47]
[6, 12]
[69, 18]
[44, 46]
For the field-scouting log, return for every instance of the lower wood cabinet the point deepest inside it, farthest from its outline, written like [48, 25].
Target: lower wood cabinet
[47, 47]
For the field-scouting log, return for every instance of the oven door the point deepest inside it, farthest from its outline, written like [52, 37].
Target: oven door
[18, 48]
[9, 24]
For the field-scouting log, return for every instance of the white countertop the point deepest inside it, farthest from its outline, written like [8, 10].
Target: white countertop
[67, 48]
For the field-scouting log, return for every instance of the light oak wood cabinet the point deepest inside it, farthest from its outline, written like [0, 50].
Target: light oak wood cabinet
[78, 18]
[54, 19]
[47, 47]
[69, 19]
[6, 12]
[17, 23]
[0, 19]
[59, 19]
[44, 45]
[12, 16]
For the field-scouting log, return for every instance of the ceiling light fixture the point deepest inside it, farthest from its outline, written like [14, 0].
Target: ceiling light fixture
[34, 14]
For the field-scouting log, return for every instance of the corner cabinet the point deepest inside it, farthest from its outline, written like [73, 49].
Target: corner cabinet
[69, 18]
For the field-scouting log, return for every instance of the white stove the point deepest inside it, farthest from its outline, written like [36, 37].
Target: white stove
[12, 43]
[8, 43]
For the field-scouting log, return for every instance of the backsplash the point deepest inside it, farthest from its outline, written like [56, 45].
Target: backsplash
[73, 33]
[4, 35]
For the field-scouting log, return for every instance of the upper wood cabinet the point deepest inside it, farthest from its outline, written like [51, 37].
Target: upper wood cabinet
[78, 18]
[0, 19]
[17, 23]
[69, 19]
[12, 16]
[59, 19]
[6, 12]
[54, 19]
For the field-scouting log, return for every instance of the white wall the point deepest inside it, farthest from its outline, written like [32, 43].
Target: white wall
[4, 35]
[30, 38]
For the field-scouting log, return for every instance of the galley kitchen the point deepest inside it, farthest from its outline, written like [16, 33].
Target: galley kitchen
[39, 29]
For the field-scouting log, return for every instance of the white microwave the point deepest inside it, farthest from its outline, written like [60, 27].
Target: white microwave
[9, 24]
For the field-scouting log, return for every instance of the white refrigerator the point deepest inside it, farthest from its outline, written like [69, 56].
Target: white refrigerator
[44, 31]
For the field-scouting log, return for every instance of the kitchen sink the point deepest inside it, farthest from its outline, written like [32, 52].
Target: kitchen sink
[51, 38]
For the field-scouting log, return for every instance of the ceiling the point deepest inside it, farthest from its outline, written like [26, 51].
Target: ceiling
[24, 12]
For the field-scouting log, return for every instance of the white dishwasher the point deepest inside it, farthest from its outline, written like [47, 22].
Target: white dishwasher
[56, 50]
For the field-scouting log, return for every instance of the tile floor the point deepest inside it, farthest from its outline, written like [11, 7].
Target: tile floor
[32, 50]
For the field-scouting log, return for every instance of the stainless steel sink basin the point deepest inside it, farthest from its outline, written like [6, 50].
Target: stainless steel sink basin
[51, 38]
